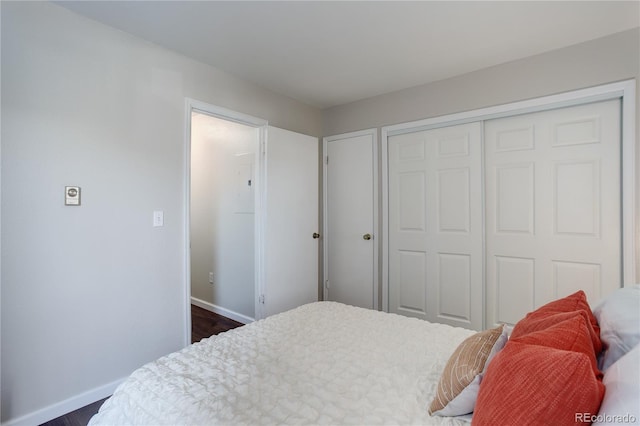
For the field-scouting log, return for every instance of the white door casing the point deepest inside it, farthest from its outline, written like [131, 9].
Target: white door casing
[291, 218]
[192, 105]
[553, 207]
[435, 225]
[286, 211]
[350, 213]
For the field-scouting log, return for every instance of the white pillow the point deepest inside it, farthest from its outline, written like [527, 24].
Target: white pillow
[619, 319]
[621, 403]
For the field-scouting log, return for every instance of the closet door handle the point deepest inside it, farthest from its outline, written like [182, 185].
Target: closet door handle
[367, 237]
[316, 235]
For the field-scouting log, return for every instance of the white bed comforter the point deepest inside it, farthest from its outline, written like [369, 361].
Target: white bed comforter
[322, 363]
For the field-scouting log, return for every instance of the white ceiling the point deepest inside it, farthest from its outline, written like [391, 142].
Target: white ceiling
[328, 53]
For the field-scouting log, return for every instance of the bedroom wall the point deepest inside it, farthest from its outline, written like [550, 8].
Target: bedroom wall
[90, 293]
[222, 214]
[605, 60]
[599, 61]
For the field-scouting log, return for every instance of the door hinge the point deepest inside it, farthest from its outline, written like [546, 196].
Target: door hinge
[261, 299]
[327, 159]
[326, 284]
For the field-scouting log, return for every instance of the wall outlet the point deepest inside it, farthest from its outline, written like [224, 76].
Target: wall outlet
[210, 277]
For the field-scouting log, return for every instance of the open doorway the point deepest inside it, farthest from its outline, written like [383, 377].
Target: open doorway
[282, 252]
[223, 197]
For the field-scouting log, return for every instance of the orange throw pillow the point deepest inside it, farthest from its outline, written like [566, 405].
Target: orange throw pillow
[540, 321]
[573, 302]
[557, 311]
[571, 334]
[535, 385]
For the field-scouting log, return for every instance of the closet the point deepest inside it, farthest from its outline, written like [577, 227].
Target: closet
[490, 219]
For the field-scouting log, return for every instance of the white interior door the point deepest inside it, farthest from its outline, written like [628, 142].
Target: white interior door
[291, 218]
[553, 207]
[349, 231]
[435, 225]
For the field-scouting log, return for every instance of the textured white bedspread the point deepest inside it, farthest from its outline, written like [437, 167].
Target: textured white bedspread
[322, 363]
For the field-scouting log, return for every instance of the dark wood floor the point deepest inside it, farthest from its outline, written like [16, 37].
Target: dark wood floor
[80, 417]
[203, 324]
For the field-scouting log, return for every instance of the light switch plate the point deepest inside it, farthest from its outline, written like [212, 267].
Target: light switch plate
[71, 195]
[158, 218]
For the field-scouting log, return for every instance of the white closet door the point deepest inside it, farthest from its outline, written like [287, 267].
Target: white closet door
[349, 209]
[290, 251]
[435, 225]
[553, 207]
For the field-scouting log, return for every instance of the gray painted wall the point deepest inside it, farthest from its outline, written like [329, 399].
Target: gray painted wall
[605, 60]
[90, 293]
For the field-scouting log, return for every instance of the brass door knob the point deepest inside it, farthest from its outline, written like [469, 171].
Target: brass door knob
[316, 235]
[367, 237]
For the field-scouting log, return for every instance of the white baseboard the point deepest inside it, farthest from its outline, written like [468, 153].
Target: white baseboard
[71, 404]
[221, 311]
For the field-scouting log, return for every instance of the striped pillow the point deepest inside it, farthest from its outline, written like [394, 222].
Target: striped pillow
[460, 381]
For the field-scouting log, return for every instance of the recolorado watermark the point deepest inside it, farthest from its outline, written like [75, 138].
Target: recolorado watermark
[605, 418]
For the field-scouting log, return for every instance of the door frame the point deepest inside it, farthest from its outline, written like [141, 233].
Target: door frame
[325, 224]
[624, 90]
[192, 105]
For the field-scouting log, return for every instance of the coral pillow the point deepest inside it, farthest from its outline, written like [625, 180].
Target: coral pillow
[574, 302]
[571, 334]
[550, 314]
[535, 385]
[539, 321]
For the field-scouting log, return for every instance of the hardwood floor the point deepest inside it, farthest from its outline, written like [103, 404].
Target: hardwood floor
[203, 324]
[80, 417]
[206, 323]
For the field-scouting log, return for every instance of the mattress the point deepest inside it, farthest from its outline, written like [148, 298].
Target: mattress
[321, 363]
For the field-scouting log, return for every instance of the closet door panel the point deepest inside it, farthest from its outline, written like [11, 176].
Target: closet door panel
[514, 282]
[435, 225]
[454, 286]
[514, 190]
[408, 223]
[552, 207]
[411, 281]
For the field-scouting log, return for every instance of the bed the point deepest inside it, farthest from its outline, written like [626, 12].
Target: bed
[321, 363]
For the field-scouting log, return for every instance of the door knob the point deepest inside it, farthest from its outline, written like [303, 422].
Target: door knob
[367, 237]
[316, 235]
